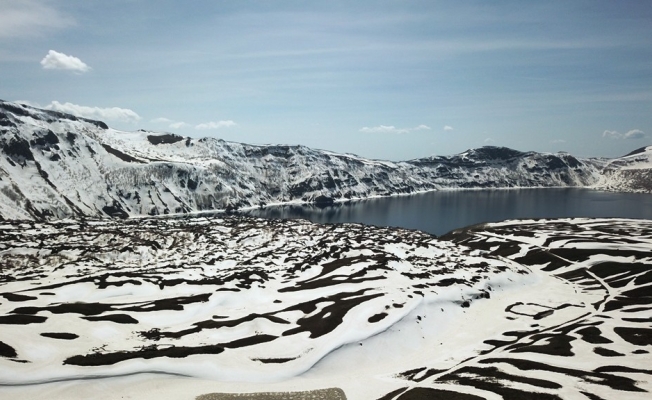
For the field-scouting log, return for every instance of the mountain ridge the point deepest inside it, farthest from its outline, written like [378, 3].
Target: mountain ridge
[55, 165]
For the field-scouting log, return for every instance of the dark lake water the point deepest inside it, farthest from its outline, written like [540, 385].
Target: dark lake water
[443, 211]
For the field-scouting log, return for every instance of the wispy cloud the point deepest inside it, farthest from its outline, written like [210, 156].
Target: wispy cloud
[633, 134]
[28, 18]
[216, 125]
[161, 120]
[448, 128]
[204, 126]
[489, 140]
[557, 141]
[393, 129]
[170, 123]
[56, 60]
[177, 125]
[110, 113]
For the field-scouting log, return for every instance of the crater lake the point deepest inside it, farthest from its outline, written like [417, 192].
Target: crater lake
[440, 212]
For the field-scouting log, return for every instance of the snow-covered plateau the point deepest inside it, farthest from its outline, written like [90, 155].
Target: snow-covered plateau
[55, 165]
[197, 308]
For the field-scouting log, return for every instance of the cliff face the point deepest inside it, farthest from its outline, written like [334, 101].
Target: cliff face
[500, 167]
[55, 165]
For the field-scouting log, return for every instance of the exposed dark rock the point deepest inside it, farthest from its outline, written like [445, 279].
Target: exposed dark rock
[496, 153]
[167, 138]
[115, 210]
[6, 121]
[47, 140]
[18, 149]
[99, 124]
[70, 137]
[16, 109]
[637, 151]
[121, 155]
[323, 201]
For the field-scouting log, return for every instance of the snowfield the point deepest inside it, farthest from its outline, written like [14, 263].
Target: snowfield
[179, 308]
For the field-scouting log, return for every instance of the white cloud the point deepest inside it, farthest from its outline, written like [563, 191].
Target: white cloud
[448, 128]
[29, 18]
[557, 141]
[110, 113]
[216, 125]
[177, 125]
[56, 60]
[632, 134]
[171, 123]
[392, 129]
[160, 120]
[489, 140]
[383, 129]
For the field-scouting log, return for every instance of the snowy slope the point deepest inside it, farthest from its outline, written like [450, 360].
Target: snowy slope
[493, 167]
[546, 309]
[631, 173]
[55, 165]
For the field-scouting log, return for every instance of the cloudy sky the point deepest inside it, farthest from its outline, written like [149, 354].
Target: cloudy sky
[384, 79]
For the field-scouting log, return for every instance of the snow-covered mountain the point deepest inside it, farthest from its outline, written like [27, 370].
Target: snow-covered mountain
[55, 165]
[499, 167]
[630, 173]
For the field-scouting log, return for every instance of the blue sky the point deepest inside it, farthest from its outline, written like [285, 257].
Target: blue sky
[383, 79]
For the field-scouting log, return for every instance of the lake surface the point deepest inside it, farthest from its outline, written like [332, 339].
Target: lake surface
[443, 211]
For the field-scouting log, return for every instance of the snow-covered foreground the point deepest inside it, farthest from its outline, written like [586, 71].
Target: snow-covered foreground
[178, 308]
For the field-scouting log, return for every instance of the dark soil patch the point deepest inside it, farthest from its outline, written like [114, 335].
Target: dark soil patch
[606, 352]
[117, 318]
[20, 319]
[60, 335]
[436, 394]
[331, 316]
[377, 317]
[17, 297]
[635, 336]
[97, 359]
[593, 335]
[391, 395]
[249, 341]
[274, 360]
[7, 351]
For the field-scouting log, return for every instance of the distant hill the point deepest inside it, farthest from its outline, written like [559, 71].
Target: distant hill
[55, 165]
